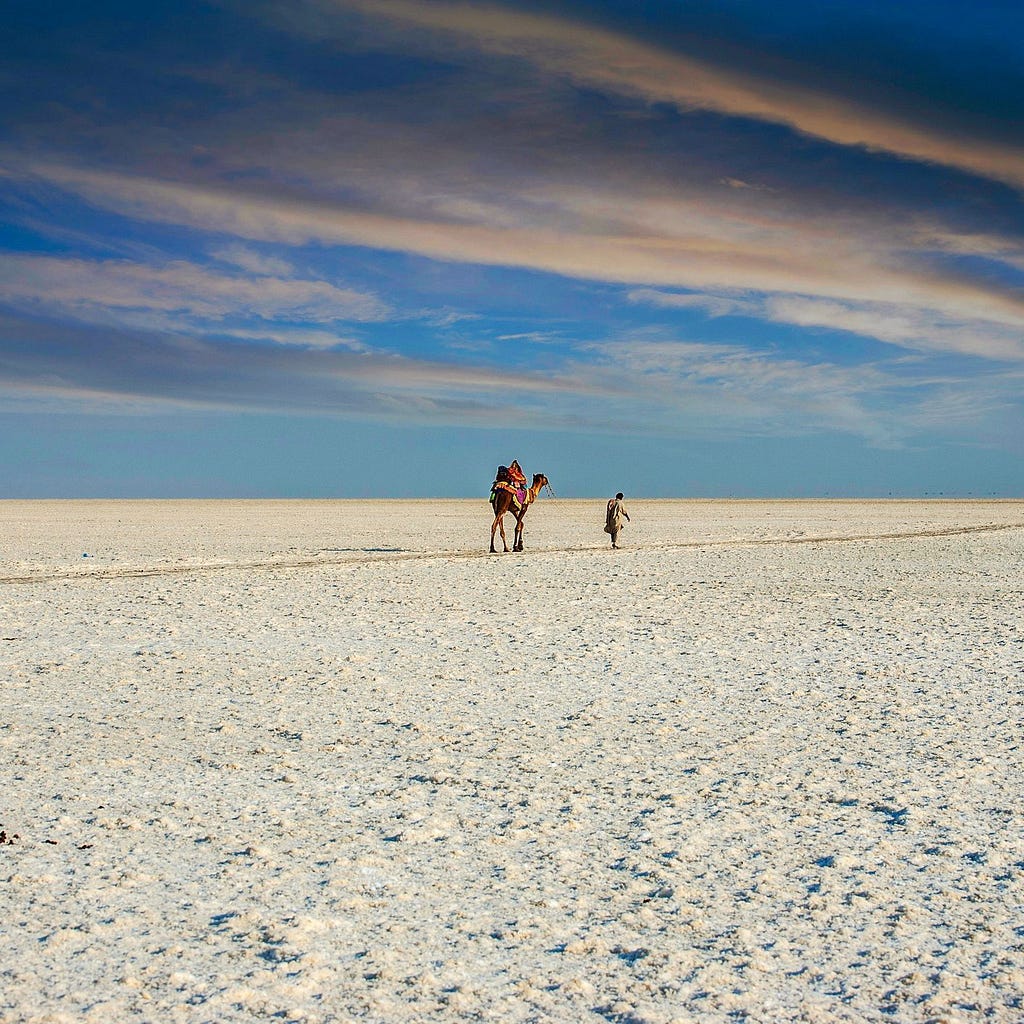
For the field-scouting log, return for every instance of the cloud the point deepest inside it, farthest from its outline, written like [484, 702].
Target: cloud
[739, 184]
[297, 337]
[680, 242]
[534, 337]
[728, 390]
[713, 305]
[648, 384]
[1006, 251]
[133, 367]
[718, 391]
[255, 262]
[914, 328]
[598, 58]
[119, 289]
[902, 325]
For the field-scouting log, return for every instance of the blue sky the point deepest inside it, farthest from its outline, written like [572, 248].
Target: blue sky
[375, 247]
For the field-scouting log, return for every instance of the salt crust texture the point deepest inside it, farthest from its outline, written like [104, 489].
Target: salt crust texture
[330, 761]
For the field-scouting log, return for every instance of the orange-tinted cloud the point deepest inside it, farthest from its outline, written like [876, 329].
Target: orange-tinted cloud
[675, 242]
[598, 58]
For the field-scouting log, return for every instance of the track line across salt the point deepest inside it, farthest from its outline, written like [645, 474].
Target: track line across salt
[127, 572]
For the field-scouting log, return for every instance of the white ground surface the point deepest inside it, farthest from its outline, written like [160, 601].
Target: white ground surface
[330, 761]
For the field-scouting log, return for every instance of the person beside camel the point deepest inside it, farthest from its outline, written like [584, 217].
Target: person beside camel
[613, 517]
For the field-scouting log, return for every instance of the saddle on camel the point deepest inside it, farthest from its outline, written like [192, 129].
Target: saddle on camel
[509, 493]
[511, 479]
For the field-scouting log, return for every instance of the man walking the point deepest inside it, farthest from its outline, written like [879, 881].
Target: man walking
[613, 517]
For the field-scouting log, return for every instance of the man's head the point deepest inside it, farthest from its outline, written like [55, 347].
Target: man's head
[619, 496]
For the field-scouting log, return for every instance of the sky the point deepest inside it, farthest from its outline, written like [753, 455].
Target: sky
[374, 248]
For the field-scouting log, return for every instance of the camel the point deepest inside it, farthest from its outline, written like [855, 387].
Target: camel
[503, 503]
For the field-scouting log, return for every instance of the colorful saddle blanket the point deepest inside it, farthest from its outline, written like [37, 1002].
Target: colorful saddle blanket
[518, 493]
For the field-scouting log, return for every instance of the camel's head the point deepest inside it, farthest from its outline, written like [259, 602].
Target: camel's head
[539, 481]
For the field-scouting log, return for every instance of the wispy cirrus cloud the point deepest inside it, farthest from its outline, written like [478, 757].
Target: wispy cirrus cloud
[644, 384]
[722, 390]
[128, 366]
[713, 305]
[598, 58]
[297, 337]
[726, 390]
[258, 263]
[660, 240]
[116, 289]
[901, 324]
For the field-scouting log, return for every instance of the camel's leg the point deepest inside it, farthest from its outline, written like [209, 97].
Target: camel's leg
[517, 541]
[498, 524]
